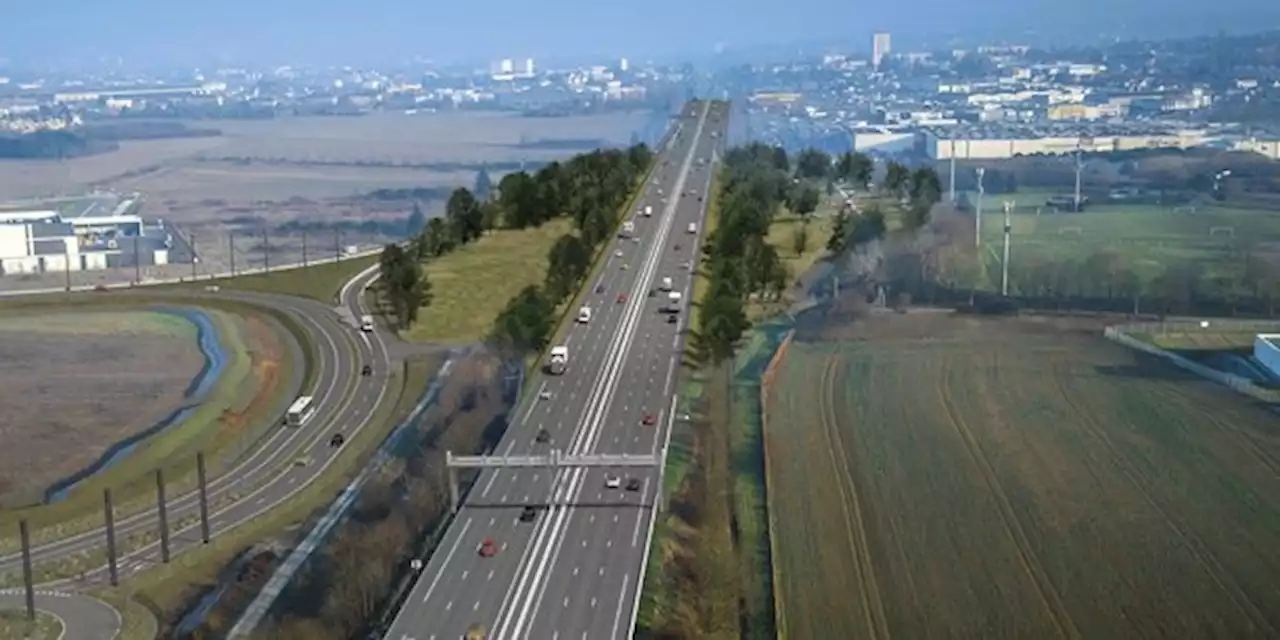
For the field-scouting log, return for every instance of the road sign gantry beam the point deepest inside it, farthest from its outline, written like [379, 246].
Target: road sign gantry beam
[552, 461]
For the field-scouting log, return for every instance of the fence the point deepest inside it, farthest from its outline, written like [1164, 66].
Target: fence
[766, 387]
[1243, 385]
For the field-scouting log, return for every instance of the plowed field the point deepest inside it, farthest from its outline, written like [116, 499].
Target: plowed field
[933, 476]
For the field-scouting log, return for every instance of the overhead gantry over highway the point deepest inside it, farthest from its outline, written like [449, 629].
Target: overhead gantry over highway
[583, 456]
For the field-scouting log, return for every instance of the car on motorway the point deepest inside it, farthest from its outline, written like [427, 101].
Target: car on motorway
[649, 419]
[529, 514]
[671, 319]
[653, 292]
[543, 436]
[474, 632]
[612, 482]
[622, 298]
[488, 548]
[633, 484]
[676, 248]
[366, 370]
[302, 461]
[100, 287]
[600, 288]
[337, 440]
[618, 253]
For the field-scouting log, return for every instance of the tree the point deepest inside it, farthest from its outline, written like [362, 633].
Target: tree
[813, 164]
[861, 169]
[800, 239]
[896, 177]
[463, 216]
[517, 196]
[525, 324]
[839, 233]
[869, 226]
[403, 283]
[780, 160]
[484, 184]
[567, 264]
[925, 187]
[416, 221]
[436, 240]
[804, 200]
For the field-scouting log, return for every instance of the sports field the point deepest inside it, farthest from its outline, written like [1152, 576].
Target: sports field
[937, 476]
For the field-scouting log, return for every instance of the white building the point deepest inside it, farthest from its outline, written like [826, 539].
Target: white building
[883, 140]
[881, 47]
[41, 241]
[994, 145]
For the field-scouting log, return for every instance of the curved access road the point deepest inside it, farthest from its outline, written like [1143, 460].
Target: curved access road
[82, 617]
[576, 571]
[345, 402]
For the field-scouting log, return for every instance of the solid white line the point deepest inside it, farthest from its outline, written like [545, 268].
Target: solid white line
[622, 595]
[635, 535]
[653, 517]
[447, 559]
[561, 524]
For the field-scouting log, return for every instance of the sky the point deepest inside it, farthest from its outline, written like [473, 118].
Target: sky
[337, 31]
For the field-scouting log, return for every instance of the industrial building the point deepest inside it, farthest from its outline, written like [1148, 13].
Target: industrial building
[40, 241]
[1005, 141]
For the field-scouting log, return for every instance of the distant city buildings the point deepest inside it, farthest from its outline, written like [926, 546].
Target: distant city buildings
[509, 69]
[881, 47]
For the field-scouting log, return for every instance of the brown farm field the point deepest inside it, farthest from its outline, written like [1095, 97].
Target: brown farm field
[942, 476]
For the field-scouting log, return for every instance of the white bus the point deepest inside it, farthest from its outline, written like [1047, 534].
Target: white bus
[300, 412]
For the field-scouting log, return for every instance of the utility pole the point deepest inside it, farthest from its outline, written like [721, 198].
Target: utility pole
[304, 247]
[1004, 266]
[953, 170]
[231, 242]
[137, 257]
[266, 251]
[977, 213]
[193, 256]
[337, 245]
[66, 254]
[1079, 166]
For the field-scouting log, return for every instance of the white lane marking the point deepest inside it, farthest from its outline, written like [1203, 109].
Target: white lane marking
[561, 524]
[452, 550]
[622, 594]
[635, 535]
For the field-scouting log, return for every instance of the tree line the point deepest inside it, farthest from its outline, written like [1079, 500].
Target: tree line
[590, 188]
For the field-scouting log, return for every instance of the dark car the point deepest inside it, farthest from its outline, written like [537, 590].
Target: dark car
[337, 440]
[543, 436]
[633, 484]
[599, 288]
[671, 319]
[529, 514]
[366, 370]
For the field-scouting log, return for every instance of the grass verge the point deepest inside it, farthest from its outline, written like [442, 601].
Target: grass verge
[14, 624]
[167, 588]
[471, 285]
[320, 282]
[131, 482]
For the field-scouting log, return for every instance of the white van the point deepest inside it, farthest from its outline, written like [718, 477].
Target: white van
[584, 315]
[693, 227]
[666, 284]
[366, 324]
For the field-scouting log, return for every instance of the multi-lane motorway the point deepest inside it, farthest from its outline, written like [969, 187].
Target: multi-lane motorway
[345, 402]
[576, 571]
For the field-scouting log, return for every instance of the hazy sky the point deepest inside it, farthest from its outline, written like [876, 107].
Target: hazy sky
[326, 31]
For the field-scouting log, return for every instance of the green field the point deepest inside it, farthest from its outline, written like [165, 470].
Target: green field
[1148, 237]
[471, 285]
[256, 383]
[1016, 478]
[14, 625]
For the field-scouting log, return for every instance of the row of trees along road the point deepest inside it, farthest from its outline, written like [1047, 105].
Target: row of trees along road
[590, 188]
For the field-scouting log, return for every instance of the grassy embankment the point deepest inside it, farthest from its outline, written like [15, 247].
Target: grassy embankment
[165, 590]
[237, 415]
[319, 282]
[14, 624]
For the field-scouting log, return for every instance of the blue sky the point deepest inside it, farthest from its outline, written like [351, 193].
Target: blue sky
[371, 30]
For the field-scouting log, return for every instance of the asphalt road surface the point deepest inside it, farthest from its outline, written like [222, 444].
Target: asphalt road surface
[576, 570]
[83, 618]
[345, 401]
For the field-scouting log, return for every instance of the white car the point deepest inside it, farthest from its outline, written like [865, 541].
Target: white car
[612, 482]
[618, 253]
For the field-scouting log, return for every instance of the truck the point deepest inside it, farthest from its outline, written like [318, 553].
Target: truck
[666, 284]
[584, 314]
[628, 228]
[366, 324]
[558, 361]
[648, 210]
[673, 302]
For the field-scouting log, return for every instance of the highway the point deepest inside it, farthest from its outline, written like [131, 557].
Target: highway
[345, 402]
[577, 570]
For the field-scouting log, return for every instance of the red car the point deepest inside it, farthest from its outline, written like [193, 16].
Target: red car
[622, 297]
[488, 548]
[648, 420]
